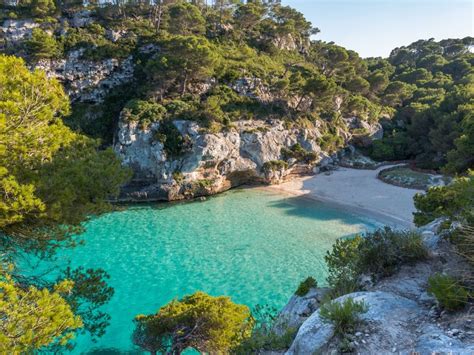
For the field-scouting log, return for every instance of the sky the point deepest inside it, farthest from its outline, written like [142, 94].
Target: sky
[374, 27]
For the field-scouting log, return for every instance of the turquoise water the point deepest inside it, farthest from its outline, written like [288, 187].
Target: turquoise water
[253, 245]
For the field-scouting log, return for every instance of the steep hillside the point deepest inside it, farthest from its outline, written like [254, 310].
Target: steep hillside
[238, 73]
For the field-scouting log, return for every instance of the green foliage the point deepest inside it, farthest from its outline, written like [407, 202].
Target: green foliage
[305, 286]
[41, 45]
[178, 177]
[143, 112]
[88, 293]
[175, 144]
[299, 153]
[199, 321]
[32, 318]
[41, 8]
[449, 294]
[182, 59]
[377, 254]
[432, 89]
[344, 315]
[274, 165]
[185, 19]
[263, 335]
[51, 181]
[454, 202]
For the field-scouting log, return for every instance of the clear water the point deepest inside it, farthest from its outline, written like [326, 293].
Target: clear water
[253, 245]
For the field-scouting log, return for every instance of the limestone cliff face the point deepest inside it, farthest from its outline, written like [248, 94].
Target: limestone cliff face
[249, 152]
[84, 80]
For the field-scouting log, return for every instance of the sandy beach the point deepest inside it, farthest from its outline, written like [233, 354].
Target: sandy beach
[359, 191]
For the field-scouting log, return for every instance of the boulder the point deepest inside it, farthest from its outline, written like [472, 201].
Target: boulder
[389, 317]
[298, 309]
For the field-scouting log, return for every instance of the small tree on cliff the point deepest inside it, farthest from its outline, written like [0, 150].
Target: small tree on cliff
[199, 321]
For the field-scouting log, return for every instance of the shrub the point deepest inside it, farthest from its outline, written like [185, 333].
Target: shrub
[41, 45]
[143, 112]
[178, 176]
[299, 153]
[345, 316]
[263, 335]
[305, 286]
[454, 201]
[448, 292]
[199, 321]
[385, 250]
[175, 144]
[377, 254]
[274, 165]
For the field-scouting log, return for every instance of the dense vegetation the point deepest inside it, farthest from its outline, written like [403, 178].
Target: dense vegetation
[433, 123]
[51, 180]
[189, 61]
[422, 93]
[205, 323]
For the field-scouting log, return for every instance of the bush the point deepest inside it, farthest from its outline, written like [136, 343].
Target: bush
[345, 316]
[199, 321]
[274, 165]
[448, 292]
[299, 153]
[377, 254]
[178, 177]
[41, 45]
[305, 286]
[143, 112]
[263, 336]
[175, 144]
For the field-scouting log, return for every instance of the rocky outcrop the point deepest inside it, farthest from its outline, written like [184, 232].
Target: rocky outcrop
[14, 31]
[248, 152]
[298, 309]
[402, 317]
[86, 80]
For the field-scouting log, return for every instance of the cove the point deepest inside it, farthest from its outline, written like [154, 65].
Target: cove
[253, 245]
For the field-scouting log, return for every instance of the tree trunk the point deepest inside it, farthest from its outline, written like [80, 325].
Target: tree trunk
[299, 102]
[185, 83]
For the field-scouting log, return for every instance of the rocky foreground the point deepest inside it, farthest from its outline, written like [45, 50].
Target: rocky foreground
[402, 317]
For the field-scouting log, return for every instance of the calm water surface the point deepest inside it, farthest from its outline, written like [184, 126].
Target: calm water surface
[253, 245]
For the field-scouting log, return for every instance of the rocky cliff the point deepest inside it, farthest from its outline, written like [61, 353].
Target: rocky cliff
[402, 318]
[248, 152]
[84, 80]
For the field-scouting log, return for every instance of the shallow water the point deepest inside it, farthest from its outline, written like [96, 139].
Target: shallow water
[253, 245]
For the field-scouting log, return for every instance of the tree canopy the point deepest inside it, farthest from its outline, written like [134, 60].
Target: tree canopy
[51, 181]
[199, 321]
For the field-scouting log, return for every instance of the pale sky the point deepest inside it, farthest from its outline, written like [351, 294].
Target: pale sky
[375, 27]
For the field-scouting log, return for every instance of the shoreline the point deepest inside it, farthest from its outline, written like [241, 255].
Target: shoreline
[364, 213]
[356, 191]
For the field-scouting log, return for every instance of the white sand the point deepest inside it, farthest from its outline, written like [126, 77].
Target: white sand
[360, 191]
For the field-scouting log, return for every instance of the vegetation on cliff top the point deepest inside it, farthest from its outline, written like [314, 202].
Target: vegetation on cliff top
[194, 62]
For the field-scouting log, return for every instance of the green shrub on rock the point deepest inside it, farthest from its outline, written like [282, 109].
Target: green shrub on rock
[175, 144]
[263, 335]
[305, 286]
[274, 165]
[448, 292]
[42, 45]
[299, 153]
[143, 112]
[378, 254]
[345, 316]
